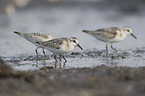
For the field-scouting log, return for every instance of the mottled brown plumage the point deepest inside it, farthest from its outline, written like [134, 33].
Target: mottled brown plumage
[60, 46]
[33, 37]
[55, 43]
[36, 37]
[109, 32]
[43, 35]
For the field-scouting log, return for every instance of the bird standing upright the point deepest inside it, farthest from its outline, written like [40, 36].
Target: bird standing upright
[110, 35]
[60, 46]
[36, 37]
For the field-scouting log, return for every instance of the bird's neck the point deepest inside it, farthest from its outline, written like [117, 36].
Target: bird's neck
[67, 46]
[121, 35]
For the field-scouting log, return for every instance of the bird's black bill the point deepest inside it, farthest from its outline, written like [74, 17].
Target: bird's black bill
[79, 46]
[133, 36]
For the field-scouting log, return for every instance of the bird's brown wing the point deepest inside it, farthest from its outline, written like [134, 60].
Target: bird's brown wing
[109, 32]
[55, 43]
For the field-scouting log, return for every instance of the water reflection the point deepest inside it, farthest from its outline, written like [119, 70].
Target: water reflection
[50, 65]
[111, 61]
[89, 59]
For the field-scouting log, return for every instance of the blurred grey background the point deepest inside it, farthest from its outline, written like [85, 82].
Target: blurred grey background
[66, 18]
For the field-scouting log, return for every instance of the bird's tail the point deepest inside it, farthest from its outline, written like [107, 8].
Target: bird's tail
[89, 31]
[39, 42]
[86, 31]
[19, 33]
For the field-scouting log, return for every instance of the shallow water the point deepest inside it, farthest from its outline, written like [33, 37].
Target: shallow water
[66, 20]
[133, 58]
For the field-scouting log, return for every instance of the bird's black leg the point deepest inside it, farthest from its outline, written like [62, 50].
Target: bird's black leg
[64, 58]
[113, 48]
[44, 52]
[107, 49]
[55, 57]
[36, 52]
[60, 57]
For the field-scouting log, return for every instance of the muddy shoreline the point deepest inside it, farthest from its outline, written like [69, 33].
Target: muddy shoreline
[98, 81]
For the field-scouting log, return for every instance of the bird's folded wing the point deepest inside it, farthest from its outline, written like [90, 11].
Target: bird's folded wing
[55, 43]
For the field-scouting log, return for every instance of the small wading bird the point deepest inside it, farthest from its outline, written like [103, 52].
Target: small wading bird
[36, 37]
[110, 35]
[60, 46]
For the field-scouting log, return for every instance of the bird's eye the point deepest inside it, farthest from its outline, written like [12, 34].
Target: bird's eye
[128, 30]
[74, 41]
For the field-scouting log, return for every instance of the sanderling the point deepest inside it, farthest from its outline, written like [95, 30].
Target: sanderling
[36, 37]
[60, 46]
[111, 35]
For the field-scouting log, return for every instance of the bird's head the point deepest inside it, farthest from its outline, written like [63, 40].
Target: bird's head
[128, 31]
[74, 41]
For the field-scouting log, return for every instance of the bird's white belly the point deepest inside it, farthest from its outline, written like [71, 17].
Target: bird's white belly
[118, 38]
[104, 39]
[62, 50]
[101, 38]
[56, 51]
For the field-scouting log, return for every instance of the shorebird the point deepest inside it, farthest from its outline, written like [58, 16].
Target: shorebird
[110, 35]
[36, 37]
[60, 46]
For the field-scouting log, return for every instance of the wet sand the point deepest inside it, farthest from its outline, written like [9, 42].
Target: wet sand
[98, 81]
[87, 59]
